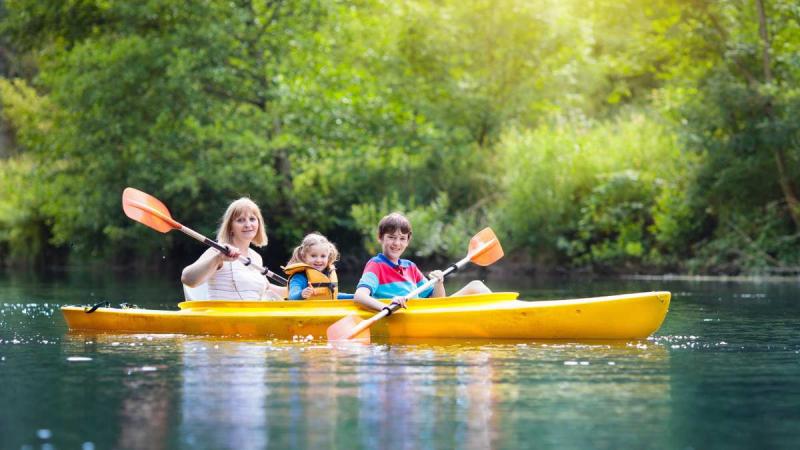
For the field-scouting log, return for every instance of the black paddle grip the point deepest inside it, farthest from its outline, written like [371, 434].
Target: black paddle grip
[390, 308]
[222, 248]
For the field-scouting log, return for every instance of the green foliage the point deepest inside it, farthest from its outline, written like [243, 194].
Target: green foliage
[611, 134]
[24, 231]
[25, 111]
[677, 223]
[437, 233]
[737, 110]
[760, 242]
[25, 228]
[614, 220]
[592, 192]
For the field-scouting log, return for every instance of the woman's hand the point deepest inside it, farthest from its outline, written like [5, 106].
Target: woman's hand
[307, 292]
[437, 275]
[233, 254]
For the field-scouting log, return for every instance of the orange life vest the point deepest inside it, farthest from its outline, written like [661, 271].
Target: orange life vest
[325, 284]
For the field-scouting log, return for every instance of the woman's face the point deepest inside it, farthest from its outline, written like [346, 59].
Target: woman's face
[245, 227]
[316, 256]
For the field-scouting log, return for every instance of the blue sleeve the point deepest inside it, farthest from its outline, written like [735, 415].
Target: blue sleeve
[368, 280]
[427, 292]
[296, 286]
[344, 296]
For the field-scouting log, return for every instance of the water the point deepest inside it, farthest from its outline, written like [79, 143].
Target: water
[722, 372]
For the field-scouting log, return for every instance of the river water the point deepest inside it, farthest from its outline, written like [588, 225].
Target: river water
[722, 372]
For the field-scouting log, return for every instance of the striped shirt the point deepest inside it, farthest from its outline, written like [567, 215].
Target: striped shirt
[235, 281]
[385, 279]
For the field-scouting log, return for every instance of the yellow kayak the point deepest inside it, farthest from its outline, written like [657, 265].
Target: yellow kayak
[497, 315]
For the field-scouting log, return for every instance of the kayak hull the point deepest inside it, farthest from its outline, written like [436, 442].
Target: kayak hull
[492, 316]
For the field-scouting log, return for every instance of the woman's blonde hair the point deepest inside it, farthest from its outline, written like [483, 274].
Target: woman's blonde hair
[236, 209]
[309, 241]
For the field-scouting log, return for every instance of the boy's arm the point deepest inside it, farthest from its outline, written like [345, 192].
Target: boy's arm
[438, 288]
[362, 296]
[368, 284]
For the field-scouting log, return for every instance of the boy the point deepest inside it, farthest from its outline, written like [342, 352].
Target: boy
[386, 275]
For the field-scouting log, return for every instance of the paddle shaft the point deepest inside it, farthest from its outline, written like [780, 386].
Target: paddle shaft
[211, 243]
[394, 306]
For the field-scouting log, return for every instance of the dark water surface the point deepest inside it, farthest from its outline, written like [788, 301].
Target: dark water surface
[722, 372]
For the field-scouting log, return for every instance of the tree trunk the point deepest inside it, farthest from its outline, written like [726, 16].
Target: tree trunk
[283, 168]
[788, 187]
[762, 31]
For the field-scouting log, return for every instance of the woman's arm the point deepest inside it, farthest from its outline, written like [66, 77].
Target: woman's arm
[281, 291]
[209, 262]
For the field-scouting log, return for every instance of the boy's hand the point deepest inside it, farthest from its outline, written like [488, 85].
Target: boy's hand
[307, 292]
[400, 300]
[437, 275]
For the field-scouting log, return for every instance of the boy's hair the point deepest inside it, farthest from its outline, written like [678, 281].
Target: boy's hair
[236, 209]
[309, 241]
[392, 223]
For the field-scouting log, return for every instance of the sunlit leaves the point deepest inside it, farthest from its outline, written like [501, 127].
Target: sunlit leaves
[526, 114]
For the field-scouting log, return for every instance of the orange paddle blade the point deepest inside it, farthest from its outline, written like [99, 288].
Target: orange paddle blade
[146, 209]
[340, 330]
[484, 248]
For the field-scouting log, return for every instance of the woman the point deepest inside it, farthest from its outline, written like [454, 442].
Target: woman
[227, 277]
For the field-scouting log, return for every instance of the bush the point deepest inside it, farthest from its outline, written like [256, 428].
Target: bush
[594, 193]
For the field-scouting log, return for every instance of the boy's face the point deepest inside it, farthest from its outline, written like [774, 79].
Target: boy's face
[394, 243]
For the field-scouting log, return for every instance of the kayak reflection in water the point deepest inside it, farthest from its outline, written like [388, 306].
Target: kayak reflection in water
[227, 277]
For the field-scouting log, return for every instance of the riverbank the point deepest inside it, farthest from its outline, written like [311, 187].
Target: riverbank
[718, 278]
[503, 270]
